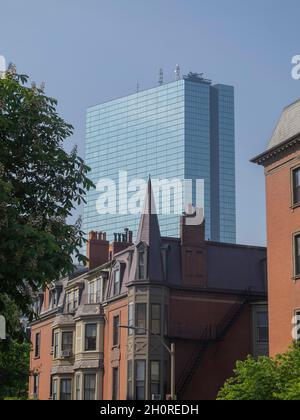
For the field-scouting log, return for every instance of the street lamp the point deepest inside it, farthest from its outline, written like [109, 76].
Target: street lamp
[171, 350]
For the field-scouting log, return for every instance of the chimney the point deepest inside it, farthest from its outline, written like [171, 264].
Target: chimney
[193, 252]
[121, 241]
[97, 249]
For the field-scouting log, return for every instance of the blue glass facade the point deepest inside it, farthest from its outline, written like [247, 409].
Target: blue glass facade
[166, 132]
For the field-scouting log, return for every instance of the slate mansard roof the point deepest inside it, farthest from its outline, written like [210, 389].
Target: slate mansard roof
[285, 135]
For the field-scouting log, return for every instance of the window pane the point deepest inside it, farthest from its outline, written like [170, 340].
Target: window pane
[89, 387]
[37, 344]
[296, 181]
[54, 389]
[129, 379]
[90, 337]
[78, 387]
[140, 374]
[263, 330]
[155, 378]
[141, 318]
[115, 393]
[297, 255]
[116, 330]
[67, 341]
[117, 282]
[130, 318]
[66, 389]
[155, 319]
[56, 345]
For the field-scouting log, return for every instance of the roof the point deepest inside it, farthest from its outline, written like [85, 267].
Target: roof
[288, 125]
[286, 134]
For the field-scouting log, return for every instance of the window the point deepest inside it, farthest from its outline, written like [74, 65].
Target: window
[36, 379]
[141, 318]
[78, 391]
[37, 345]
[67, 341]
[90, 337]
[90, 387]
[55, 349]
[115, 390]
[140, 371]
[130, 318]
[296, 186]
[53, 298]
[155, 319]
[94, 291]
[166, 320]
[297, 326]
[116, 330]
[262, 325]
[155, 378]
[297, 255]
[66, 389]
[129, 380]
[116, 282]
[141, 265]
[72, 300]
[54, 389]
[75, 299]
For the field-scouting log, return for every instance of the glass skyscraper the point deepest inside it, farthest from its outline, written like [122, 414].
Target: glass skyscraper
[183, 129]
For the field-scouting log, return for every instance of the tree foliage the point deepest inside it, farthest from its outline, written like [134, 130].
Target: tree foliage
[40, 185]
[265, 379]
[14, 355]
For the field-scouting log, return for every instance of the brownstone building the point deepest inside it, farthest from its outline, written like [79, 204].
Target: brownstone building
[281, 161]
[104, 333]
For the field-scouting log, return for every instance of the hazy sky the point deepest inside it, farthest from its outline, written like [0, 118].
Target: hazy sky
[89, 51]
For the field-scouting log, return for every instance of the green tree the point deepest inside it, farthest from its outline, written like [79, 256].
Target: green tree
[265, 378]
[40, 185]
[14, 355]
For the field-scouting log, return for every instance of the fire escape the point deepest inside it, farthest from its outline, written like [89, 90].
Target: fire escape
[209, 335]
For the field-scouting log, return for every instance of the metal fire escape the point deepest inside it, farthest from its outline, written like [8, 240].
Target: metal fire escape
[209, 335]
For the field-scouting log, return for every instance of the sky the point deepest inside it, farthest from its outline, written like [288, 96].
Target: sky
[91, 51]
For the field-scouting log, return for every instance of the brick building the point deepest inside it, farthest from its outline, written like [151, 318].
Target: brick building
[281, 161]
[101, 334]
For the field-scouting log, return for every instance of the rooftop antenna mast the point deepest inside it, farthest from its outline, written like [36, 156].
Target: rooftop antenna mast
[161, 77]
[177, 73]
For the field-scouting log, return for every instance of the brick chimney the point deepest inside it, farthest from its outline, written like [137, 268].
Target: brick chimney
[121, 241]
[97, 250]
[193, 253]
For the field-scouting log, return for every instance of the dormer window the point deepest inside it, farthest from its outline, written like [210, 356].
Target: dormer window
[95, 291]
[117, 281]
[72, 300]
[141, 265]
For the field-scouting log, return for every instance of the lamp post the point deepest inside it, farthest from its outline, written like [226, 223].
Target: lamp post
[171, 350]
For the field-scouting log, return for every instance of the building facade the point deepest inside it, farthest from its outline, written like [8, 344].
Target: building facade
[104, 333]
[281, 162]
[183, 130]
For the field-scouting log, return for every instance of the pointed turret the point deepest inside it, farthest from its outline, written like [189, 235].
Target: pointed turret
[148, 243]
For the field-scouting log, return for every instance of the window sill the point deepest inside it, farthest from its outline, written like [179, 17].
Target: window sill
[295, 206]
[37, 357]
[296, 278]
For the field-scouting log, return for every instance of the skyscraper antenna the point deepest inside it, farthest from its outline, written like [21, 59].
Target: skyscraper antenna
[177, 73]
[161, 77]
[137, 87]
